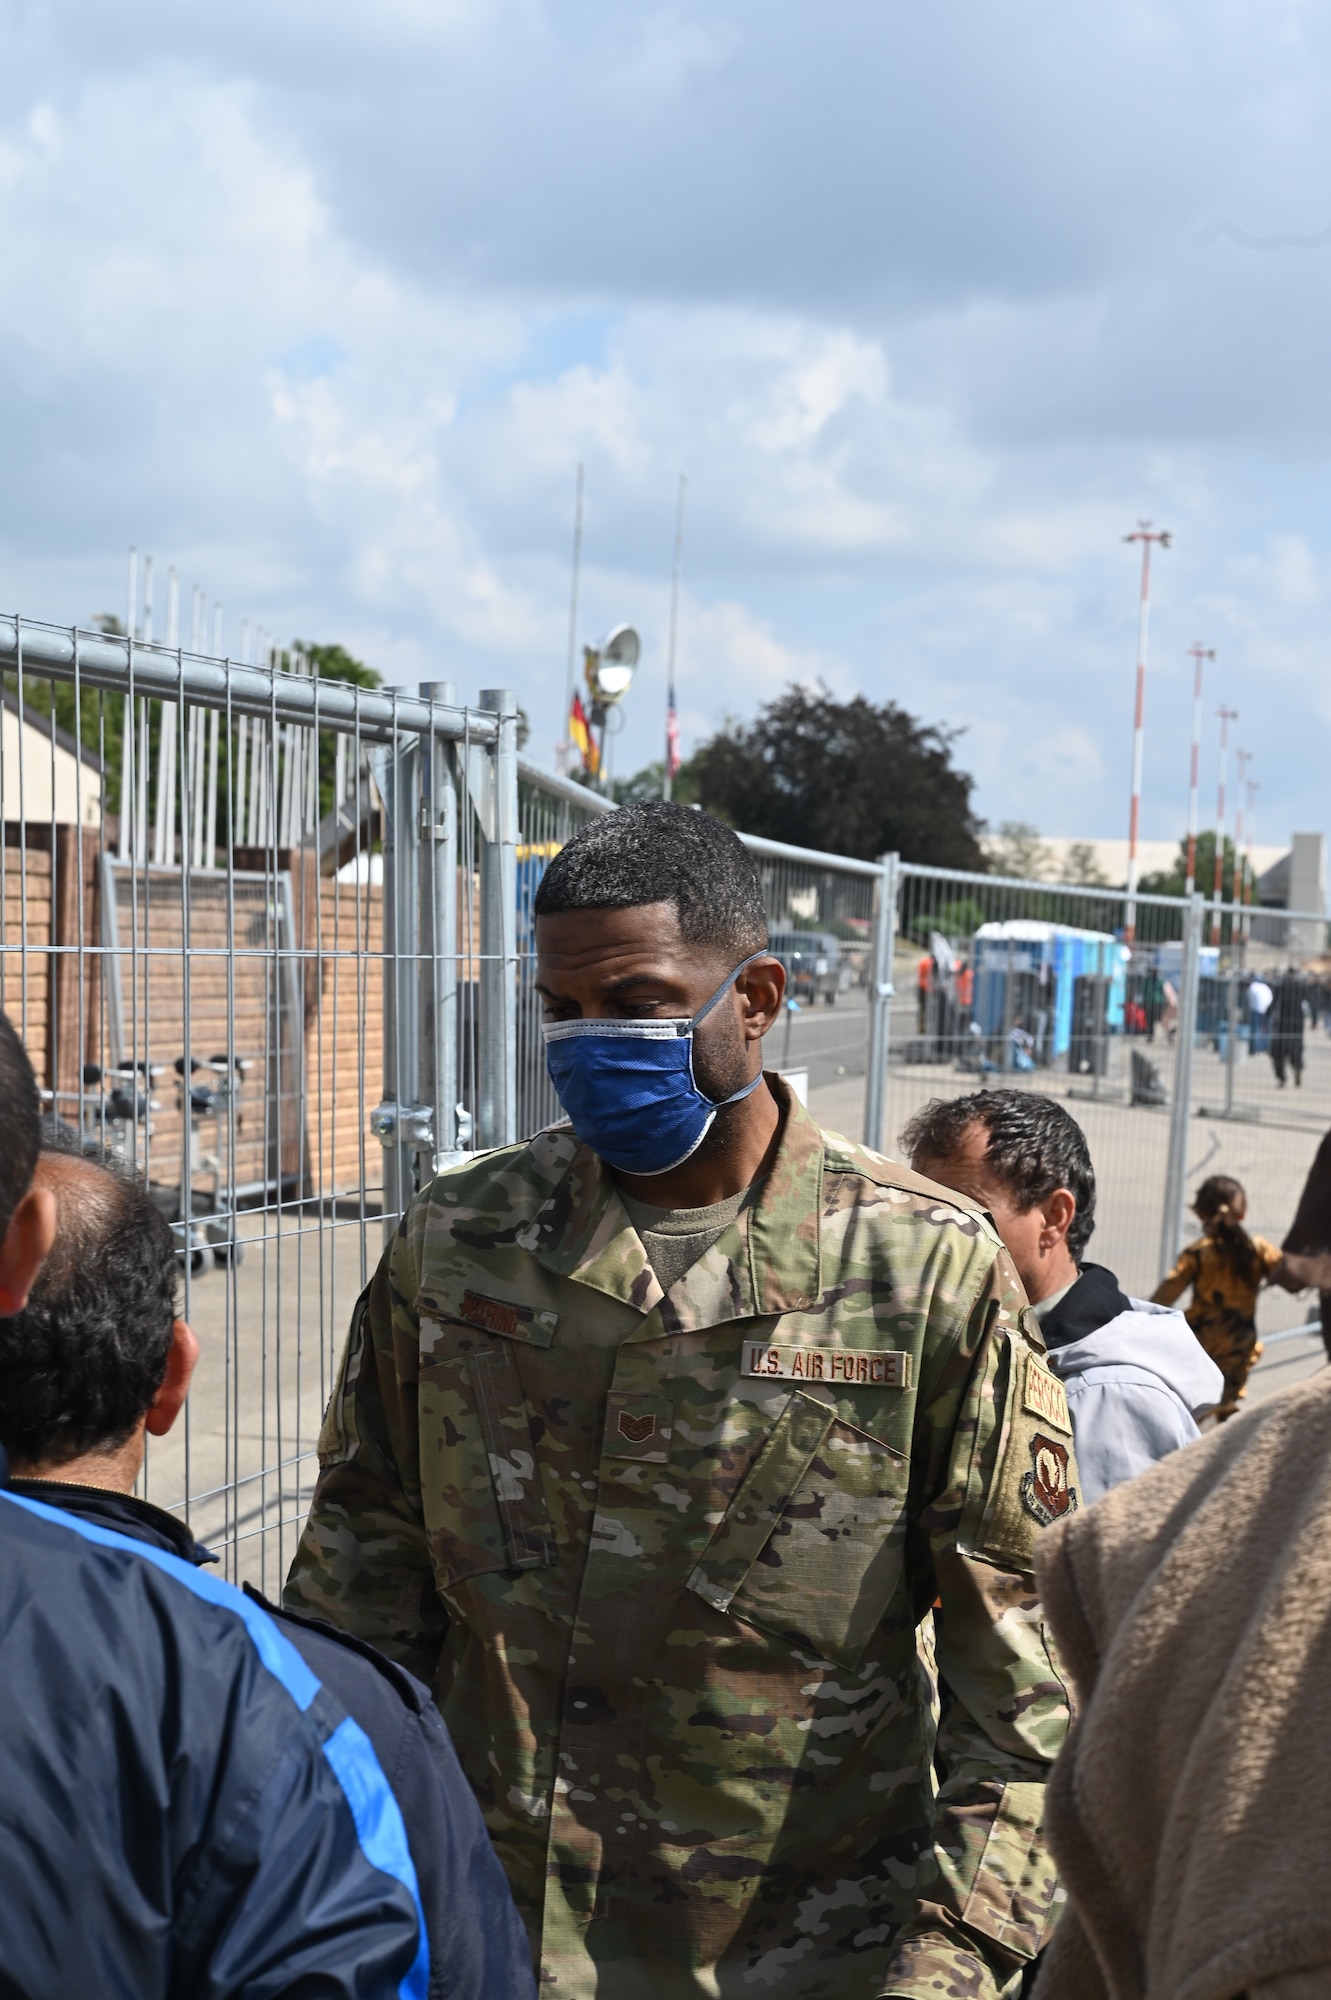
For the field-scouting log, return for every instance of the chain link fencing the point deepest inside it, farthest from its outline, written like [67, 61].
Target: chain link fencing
[268, 939]
[1161, 1051]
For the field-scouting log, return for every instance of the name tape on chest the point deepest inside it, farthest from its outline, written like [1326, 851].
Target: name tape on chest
[849, 1367]
[1044, 1396]
[515, 1322]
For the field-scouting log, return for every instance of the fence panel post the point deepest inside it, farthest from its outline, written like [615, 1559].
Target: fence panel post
[880, 1001]
[1176, 1170]
[397, 774]
[439, 935]
[498, 1121]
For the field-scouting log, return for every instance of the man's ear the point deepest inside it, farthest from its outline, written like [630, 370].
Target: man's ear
[761, 988]
[1058, 1210]
[169, 1401]
[25, 1247]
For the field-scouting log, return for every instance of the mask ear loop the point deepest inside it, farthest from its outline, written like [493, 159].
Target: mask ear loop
[726, 985]
[736, 1096]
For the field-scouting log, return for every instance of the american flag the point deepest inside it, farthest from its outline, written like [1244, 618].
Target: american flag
[672, 735]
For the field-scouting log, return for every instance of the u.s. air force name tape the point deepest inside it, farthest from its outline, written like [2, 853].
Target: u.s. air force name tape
[868, 1368]
[1044, 1395]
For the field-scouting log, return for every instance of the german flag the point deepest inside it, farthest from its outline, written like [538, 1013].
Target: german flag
[580, 733]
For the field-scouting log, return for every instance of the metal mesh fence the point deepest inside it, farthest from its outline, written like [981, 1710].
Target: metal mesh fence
[1030, 986]
[245, 946]
[268, 939]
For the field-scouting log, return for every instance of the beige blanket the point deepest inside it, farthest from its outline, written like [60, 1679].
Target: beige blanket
[1190, 1812]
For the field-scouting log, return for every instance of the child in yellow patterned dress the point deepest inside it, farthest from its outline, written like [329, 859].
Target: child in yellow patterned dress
[1226, 1268]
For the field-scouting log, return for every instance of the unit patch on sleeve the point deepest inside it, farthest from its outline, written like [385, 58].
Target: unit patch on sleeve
[1044, 1395]
[1036, 1476]
[853, 1367]
[1045, 1491]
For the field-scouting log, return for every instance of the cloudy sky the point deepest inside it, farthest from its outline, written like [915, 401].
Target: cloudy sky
[325, 302]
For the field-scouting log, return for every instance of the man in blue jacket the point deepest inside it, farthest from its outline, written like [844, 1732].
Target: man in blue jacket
[187, 1808]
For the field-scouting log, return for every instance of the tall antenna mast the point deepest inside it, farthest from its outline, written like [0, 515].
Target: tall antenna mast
[1227, 715]
[1145, 534]
[1199, 654]
[672, 718]
[570, 679]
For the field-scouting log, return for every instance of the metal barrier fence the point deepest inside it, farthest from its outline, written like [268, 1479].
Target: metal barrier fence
[1156, 1051]
[259, 940]
[268, 938]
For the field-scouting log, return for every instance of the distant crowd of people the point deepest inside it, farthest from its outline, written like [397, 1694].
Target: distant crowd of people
[718, 1525]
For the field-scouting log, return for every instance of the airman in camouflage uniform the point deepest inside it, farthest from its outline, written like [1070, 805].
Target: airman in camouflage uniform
[716, 1539]
[663, 1559]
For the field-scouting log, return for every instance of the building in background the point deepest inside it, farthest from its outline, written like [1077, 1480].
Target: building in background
[1297, 881]
[48, 777]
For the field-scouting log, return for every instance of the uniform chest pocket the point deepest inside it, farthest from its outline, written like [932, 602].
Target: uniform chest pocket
[481, 1489]
[812, 1545]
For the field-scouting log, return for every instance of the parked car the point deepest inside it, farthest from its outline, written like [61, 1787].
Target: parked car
[813, 964]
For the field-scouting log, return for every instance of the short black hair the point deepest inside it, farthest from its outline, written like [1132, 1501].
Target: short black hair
[1034, 1147]
[20, 1107]
[658, 852]
[82, 1362]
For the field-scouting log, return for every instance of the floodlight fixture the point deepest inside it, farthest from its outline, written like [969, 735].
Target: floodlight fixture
[614, 665]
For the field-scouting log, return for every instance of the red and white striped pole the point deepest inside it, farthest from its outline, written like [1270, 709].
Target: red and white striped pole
[1199, 653]
[1249, 867]
[1242, 758]
[1145, 534]
[1227, 715]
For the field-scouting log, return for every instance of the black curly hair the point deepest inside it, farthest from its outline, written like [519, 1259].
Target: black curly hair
[656, 851]
[82, 1362]
[1034, 1147]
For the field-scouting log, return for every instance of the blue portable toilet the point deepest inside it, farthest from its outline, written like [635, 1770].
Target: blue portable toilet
[1043, 961]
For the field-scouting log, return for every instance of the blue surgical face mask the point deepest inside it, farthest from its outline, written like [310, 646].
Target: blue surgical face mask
[628, 1086]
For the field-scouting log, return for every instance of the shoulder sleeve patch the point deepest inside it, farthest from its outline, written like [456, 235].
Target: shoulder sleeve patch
[1036, 1482]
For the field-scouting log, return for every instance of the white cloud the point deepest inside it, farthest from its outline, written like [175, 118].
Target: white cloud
[326, 305]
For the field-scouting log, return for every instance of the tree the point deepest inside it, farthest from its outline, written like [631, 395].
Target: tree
[1017, 850]
[1080, 867]
[649, 783]
[331, 663]
[1173, 880]
[850, 777]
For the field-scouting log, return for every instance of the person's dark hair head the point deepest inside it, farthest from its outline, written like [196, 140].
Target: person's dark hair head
[21, 1109]
[81, 1363]
[1220, 1205]
[1034, 1147]
[660, 852]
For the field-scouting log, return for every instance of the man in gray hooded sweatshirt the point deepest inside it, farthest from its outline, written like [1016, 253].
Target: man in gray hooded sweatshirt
[1135, 1374]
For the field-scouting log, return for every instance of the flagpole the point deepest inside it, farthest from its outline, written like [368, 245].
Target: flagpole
[570, 681]
[672, 721]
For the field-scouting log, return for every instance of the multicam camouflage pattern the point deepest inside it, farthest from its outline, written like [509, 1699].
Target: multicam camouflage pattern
[678, 1616]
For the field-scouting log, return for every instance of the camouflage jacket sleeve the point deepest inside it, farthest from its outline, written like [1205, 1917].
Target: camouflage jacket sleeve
[363, 1561]
[1003, 1471]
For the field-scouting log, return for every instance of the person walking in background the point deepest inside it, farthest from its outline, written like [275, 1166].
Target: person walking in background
[1260, 997]
[1287, 1028]
[1226, 1268]
[924, 982]
[1134, 1379]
